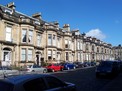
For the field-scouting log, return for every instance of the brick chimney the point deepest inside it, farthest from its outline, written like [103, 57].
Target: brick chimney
[11, 5]
[56, 24]
[37, 16]
[66, 27]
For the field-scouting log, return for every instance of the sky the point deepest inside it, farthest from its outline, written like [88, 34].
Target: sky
[97, 18]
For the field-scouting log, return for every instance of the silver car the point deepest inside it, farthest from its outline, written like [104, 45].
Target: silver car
[5, 70]
[36, 68]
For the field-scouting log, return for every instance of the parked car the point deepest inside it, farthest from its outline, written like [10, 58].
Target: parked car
[78, 64]
[120, 65]
[6, 70]
[68, 66]
[86, 64]
[54, 67]
[35, 68]
[110, 68]
[35, 82]
[93, 63]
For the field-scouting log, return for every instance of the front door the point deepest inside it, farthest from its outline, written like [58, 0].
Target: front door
[6, 58]
[37, 59]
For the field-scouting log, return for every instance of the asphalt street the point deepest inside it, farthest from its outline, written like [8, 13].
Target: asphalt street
[86, 80]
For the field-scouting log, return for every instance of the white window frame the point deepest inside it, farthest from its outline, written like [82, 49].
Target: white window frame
[30, 36]
[58, 42]
[66, 43]
[38, 40]
[69, 44]
[24, 34]
[49, 54]
[30, 54]
[54, 54]
[8, 33]
[49, 39]
[23, 53]
[54, 40]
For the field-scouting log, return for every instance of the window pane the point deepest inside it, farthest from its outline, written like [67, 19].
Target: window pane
[54, 82]
[49, 54]
[66, 41]
[54, 40]
[35, 85]
[24, 36]
[30, 36]
[23, 54]
[29, 55]
[8, 33]
[49, 39]
[38, 40]
[54, 54]
[67, 58]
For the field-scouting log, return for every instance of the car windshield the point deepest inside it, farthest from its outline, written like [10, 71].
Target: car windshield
[6, 86]
[106, 64]
[49, 65]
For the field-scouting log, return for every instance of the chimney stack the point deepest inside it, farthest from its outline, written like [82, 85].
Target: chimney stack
[37, 16]
[11, 5]
[56, 23]
[66, 27]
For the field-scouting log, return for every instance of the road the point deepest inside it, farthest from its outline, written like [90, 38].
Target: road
[84, 79]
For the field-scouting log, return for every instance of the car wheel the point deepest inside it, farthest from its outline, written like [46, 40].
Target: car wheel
[67, 68]
[61, 69]
[53, 70]
[74, 67]
[44, 71]
[33, 70]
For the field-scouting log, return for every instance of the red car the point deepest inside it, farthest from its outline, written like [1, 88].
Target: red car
[54, 67]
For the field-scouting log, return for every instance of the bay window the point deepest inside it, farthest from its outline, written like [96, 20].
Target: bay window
[27, 36]
[26, 54]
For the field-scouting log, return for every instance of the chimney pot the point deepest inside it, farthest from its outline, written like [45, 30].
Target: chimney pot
[11, 5]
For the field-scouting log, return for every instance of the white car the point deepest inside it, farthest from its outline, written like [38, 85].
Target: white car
[36, 68]
[5, 70]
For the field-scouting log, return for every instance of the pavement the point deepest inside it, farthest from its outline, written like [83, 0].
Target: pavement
[114, 85]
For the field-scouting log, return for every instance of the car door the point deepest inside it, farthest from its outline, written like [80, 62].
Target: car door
[57, 67]
[1, 71]
[55, 84]
[37, 84]
[7, 70]
[40, 69]
[35, 68]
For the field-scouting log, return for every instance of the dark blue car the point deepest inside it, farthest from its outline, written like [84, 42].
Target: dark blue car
[68, 66]
[35, 82]
[107, 68]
